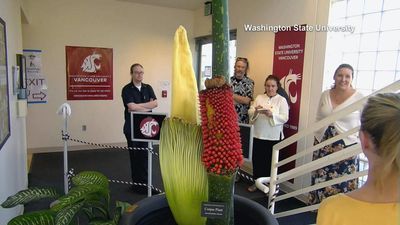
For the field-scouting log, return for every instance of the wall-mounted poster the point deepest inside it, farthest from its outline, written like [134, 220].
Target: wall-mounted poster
[89, 73]
[4, 105]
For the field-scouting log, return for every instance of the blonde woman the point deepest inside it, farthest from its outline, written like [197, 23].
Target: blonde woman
[377, 202]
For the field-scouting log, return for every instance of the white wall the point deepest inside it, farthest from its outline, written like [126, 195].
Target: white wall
[13, 171]
[258, 47]
[136, 32]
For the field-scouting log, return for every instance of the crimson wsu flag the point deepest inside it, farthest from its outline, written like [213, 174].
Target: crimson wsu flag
[288, 67]
[89, 73]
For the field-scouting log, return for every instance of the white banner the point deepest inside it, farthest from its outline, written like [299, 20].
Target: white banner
[35, 80]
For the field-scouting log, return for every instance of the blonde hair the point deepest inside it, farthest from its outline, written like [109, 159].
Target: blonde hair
[381, 120]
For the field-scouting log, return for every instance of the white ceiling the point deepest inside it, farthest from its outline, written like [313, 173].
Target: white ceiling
[179, 4]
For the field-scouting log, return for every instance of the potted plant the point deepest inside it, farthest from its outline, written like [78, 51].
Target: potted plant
[156, 210]
[89, 195]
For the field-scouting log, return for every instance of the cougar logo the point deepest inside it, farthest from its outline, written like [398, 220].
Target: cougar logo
[149, 127]
[89, 64]
[287, 80]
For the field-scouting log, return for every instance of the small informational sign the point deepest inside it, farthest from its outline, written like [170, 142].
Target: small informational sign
[146, 126]
[207, 72]
[35, 80]
[246, 137]
[213, 210]
[89, 73]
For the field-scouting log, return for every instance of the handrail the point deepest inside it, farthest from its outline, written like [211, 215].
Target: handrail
[319, 163]
[318, 146]
[330, 119]
[323, 184]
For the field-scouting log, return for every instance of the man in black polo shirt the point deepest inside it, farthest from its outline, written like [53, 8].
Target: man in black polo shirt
[137, 96]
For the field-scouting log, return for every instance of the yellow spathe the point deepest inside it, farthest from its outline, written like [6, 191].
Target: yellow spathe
[184, 87]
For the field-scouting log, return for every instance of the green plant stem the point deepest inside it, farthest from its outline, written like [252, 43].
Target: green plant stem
[220, 35]
[221, 189]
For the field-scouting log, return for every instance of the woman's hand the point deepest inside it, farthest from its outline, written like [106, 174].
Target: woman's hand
[262, 110]
[258, 108]
[268, 113]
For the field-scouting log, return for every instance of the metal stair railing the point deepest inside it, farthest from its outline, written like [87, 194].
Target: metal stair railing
[319, 163]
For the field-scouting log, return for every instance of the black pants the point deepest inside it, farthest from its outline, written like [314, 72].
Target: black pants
[262, 156]
[138, 160]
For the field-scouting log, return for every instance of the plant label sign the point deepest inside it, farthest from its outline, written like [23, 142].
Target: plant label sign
[214, 210]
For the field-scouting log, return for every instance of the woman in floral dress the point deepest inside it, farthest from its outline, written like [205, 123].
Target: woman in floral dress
[340, 96]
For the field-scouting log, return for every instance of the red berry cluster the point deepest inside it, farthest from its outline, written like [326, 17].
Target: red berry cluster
[221, 138]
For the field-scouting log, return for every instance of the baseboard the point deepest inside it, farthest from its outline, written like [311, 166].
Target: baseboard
[72, 148]
[29, 161]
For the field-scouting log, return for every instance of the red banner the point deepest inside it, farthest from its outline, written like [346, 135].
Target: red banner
[89, 73]
[288, 66]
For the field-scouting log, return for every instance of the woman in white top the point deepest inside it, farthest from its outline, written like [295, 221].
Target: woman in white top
[268, 113]
[340, 96]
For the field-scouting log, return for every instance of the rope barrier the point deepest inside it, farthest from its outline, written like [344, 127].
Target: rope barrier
[137, 184]
[70, 175]
[66, 136]
[245, 175]
[274, 197]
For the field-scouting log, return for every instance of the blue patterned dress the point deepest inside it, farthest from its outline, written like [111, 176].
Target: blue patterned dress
[332, 171]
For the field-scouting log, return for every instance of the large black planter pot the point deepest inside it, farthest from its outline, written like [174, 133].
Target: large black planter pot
[155, 211]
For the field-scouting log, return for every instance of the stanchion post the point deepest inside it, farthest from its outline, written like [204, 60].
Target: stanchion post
[65, 131]
[149, 170]
[65, 111]
[273, 180]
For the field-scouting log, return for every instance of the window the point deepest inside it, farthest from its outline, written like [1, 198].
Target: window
[204, 49]
[373, 49]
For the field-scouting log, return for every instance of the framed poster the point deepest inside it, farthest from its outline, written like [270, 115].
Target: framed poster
[89, 73]
[4, 102]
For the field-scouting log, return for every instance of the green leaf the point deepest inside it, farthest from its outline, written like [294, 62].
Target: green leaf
[117, 216]
[90, 177]
[65, 215]
[122, 206]
[79, 193]
[100, 207]
[45, 217]
[28, 195]
[89, 213]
